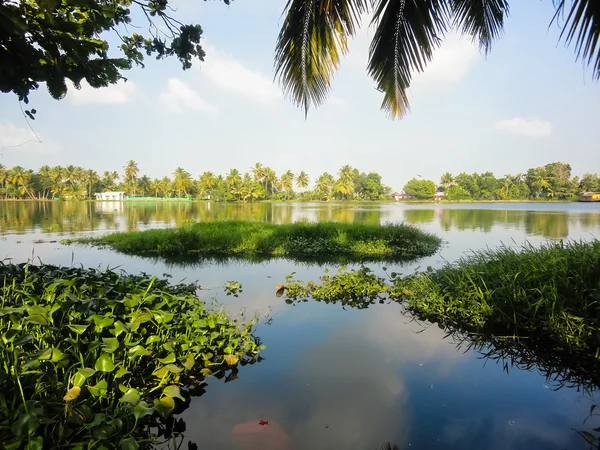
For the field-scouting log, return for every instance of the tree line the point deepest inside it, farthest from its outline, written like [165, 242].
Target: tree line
[259, 183]
[552, 181]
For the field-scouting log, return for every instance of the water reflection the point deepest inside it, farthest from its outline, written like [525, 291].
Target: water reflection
[70, 217]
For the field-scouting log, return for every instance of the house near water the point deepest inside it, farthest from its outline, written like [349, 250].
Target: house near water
[110, 196]
[590, 197]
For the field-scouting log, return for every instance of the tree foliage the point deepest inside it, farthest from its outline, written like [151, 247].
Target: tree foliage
[52, 41]
[314, 36]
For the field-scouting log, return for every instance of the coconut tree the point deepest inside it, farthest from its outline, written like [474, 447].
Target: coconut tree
[447, 180]
[182, 181]
[302, 180]
[287, 183]
[270, 180]
[131, 172]
[324, 185]
[144, 184]
[207, 182]
[314, 36]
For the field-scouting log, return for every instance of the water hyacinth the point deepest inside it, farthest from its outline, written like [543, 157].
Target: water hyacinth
[93, 358]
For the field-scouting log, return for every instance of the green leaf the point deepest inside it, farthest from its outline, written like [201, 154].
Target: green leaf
[142, 409]
[99, 389]
[169, 359]
[110, 344]
[164, 406]
[81, 375]
[57, 355]
[121, 372]
[25, 424]
[132, 396]
[78, 329]
[36, 443]
[189, 362]
[104, 363]
[23, 340]
[173, 391]
[129, 444]
[152, 339]
[138, 351]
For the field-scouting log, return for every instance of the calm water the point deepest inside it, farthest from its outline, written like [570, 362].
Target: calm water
[334, 378]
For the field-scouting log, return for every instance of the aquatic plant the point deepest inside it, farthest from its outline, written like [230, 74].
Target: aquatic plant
[549, 295]
[92, 359]
[323, 240]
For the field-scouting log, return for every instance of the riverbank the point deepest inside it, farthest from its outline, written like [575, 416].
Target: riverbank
[304, 240]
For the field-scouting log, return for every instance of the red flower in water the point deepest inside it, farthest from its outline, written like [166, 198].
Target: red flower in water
[256, 436]
[263, 422]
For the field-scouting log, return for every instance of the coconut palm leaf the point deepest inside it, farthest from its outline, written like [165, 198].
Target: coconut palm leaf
[582, 26]
[481, 19]
[407, 31]
[309, 46]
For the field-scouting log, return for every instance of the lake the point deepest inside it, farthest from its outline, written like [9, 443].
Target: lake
[336, 378]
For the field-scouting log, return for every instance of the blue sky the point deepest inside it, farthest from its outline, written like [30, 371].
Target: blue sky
[526, 104]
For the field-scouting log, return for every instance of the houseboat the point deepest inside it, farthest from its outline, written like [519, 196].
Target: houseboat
[590, 197]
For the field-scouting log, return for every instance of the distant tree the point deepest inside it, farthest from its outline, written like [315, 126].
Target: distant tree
[302, 180]
[422, 189]
[447, 180]
[182, 181]
[456, 192]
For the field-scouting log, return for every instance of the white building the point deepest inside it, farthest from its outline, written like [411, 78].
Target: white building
[107, 196]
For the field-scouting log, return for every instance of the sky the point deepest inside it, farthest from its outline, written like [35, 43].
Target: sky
[526, 104]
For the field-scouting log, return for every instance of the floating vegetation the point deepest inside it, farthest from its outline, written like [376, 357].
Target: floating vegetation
[547, 297]
[101, 359]
[330, 241]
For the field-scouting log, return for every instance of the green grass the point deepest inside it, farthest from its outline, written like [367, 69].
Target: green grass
[548, 296]
[102, 359]
[324, 240]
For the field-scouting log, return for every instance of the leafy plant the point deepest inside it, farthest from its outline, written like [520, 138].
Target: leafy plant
[90, 359]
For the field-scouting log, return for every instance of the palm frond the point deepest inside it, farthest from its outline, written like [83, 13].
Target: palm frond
[582, 25]
[407, 31]
[481, 19]
[312, 40]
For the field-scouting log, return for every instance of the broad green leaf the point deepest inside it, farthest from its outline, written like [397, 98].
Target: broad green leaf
[211, 322]
[142, 409]
[119, 328]
[138, 351]
[99, 389]
[35, 443]
[110, 344]
[152, 339]
[189, 362]
[81, 375]
[57, 355]
[104, 363]
[25, 424]
[121, 372]
[164, 406]
[129, 444]
[78, 329]
[132, 396]
[23, 339]
[169, 359]
[173, 391]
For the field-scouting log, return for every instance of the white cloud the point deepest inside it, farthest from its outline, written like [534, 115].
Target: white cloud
[114, 94]
[23, 140]
[230, 75]
[451, 63]
[180, 96]
[523, 126]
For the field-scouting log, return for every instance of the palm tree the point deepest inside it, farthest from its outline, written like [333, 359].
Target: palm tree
[166, 186]
[144, 184]
[324, 185]
[258, 171]
[302, 180]
[182, 181]
[90, 178]
[345, 184]
[131, 171]
[314, 35]
[270, 180]
[109, 180]
[207, 182]
[287, 182]
[447, 180]
[155, 185]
